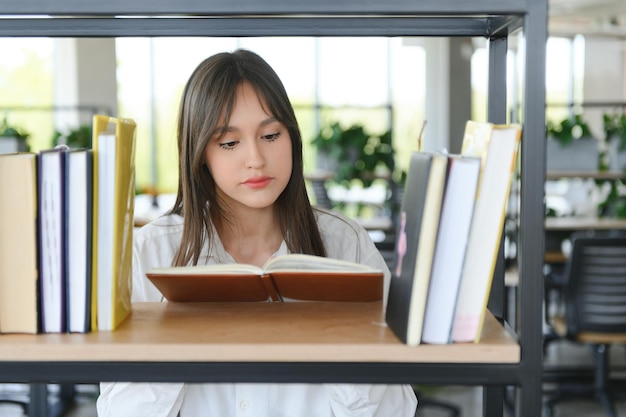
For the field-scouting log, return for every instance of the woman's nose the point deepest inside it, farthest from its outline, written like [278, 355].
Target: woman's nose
[254, 155]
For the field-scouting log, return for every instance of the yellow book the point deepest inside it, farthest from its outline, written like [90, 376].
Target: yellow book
[18, 243]
[498, 151]
[114, 192]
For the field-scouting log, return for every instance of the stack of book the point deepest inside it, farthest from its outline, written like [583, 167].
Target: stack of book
[65, 249]
[451, 224]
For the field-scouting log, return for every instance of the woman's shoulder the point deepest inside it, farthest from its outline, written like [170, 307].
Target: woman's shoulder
[331, 222]
[344, 238]
[163, 227]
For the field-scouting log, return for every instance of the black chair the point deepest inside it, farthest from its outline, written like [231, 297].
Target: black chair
[427, 401]
[595, 312]
[321, 194]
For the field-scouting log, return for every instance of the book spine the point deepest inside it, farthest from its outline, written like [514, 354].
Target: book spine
[271, 288]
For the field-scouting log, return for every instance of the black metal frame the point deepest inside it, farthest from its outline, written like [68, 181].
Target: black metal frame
[492, 19]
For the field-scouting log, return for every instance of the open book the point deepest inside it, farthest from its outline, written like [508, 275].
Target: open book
[292, 276]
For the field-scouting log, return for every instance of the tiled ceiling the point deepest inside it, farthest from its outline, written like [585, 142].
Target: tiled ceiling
[591, 17]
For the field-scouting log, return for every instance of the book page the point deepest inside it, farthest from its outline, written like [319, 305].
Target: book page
[212, 269]
[302, 262]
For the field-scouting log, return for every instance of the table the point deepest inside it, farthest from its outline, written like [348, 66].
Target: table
[558, 229]
[583, 223]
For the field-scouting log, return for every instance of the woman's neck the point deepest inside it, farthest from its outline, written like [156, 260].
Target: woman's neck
[251, 238]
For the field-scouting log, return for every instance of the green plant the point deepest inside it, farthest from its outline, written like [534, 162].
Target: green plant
[8, 131]
[615, 126]
[74, 138]
[11, 131]
[568, 129]
[614, 205]
[357, 153]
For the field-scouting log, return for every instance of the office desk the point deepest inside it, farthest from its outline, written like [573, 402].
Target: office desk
[571, 224]
[558, 229]
[596, 175]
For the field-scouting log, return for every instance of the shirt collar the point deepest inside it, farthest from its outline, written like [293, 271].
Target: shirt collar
[219, 255]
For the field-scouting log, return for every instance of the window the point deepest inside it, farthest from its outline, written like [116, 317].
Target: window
[26, 82]
[378, 82]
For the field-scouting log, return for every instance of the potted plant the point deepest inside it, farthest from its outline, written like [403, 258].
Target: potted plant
[571, 146]
[615, 137]
[354, 154]
[614, 202]
[12, 139]
[74, 138]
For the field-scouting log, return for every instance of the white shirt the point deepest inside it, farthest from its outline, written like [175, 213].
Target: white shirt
[155, 246]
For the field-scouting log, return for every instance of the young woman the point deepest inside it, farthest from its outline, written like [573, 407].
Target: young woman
[242, 198]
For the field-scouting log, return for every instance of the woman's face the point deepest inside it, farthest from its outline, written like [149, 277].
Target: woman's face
[250, 159]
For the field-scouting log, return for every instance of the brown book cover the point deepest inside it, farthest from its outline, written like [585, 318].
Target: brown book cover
[292, 276]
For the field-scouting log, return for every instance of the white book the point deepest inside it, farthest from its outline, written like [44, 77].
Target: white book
[79, 233]
[52, 278]
[454, 224]
[106, 213]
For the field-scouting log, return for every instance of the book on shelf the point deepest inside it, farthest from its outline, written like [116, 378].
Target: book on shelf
[476, 136]
[498, 152]
[454, 224]
[52, 237]
[413, 254]
[291, 276]
[19, 274]
[78, 246]
[113, 192]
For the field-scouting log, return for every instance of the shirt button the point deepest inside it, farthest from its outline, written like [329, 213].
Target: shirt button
[244, 405]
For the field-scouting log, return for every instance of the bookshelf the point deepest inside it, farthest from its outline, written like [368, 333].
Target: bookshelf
[50, 358]
[256, 332]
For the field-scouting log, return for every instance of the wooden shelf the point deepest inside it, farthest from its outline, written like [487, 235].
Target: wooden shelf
[583, 223]
[598, 175]
[255, 332]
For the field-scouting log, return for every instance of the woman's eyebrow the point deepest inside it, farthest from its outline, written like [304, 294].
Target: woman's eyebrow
[220, 130]
[268, 121]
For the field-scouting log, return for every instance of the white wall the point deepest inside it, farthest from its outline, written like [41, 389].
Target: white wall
[604, 78]
[85, 74]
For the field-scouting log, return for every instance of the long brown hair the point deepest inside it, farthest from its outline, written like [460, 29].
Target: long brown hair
[208, 96]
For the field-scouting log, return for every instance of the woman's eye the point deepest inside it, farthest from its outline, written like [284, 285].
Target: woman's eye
[228, 145]
[271, 137]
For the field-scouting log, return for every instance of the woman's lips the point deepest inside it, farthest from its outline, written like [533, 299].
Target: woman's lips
[257, 182]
